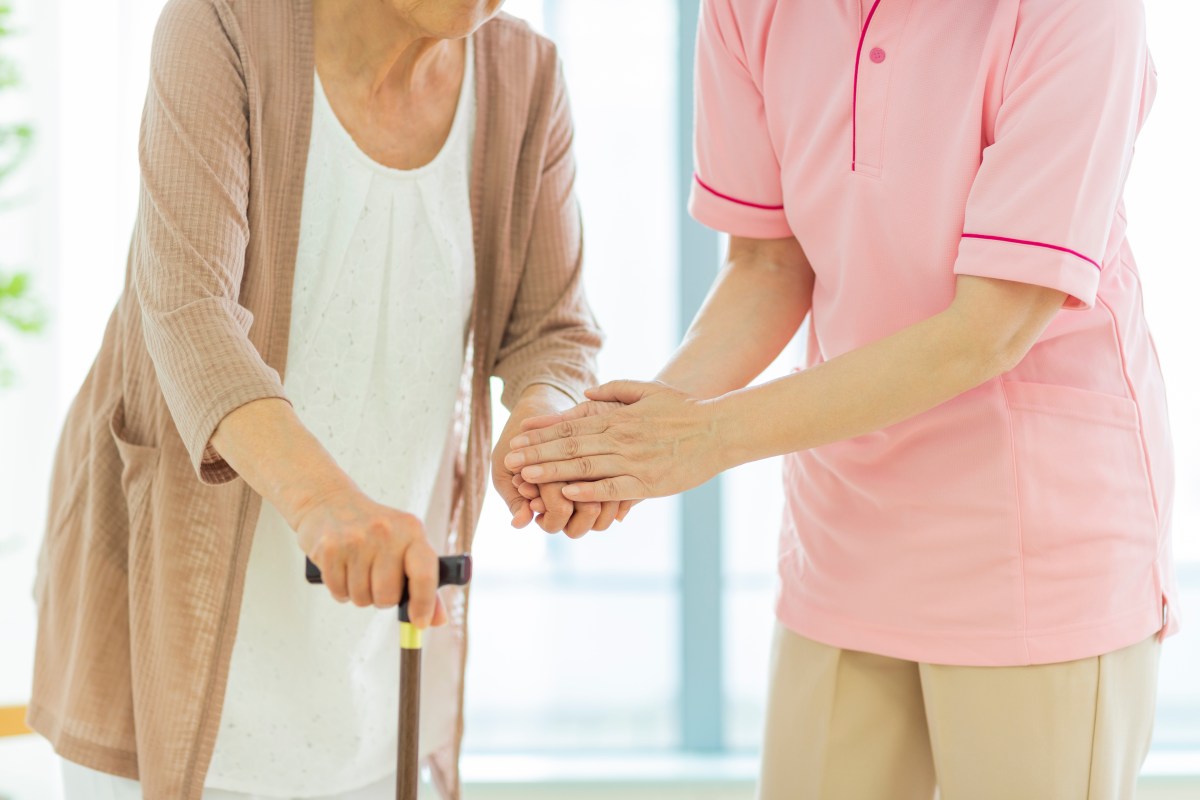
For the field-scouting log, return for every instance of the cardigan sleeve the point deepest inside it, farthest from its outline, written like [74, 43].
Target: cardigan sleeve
[192, 231]
[552, 337]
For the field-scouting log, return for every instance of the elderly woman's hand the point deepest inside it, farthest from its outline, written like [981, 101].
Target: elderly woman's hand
[543, 503]
[658, 442]
[367, 552]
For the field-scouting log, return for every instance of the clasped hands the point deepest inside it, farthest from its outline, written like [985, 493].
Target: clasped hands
[586, 467]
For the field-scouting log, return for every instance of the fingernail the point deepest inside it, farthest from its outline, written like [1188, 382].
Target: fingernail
[532, 472]
[571, 491]
[520, 441]
[514, 460]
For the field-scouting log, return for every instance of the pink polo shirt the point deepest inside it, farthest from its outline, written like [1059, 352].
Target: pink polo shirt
[904, 142]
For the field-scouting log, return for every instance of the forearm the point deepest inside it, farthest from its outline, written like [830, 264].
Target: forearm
[859, 392]
[754, 309]
[269, 447]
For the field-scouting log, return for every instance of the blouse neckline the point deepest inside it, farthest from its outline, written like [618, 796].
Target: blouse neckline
[323, 109]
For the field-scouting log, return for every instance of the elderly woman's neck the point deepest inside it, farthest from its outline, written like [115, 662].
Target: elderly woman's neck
[369, 44]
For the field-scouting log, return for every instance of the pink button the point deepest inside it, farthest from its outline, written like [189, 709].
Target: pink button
[878, 55]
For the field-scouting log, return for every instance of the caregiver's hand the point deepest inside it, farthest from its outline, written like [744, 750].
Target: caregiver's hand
[659, 443]
[544, 503]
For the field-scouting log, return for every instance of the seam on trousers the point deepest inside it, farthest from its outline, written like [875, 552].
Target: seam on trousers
[1095, 725]
[833, 702]
[927, 704]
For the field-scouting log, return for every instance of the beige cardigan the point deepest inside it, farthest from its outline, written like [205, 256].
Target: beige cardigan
[141, 572]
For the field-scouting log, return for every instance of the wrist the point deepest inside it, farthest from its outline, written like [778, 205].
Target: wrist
[541, 398]
[295, 501]
[728, 433]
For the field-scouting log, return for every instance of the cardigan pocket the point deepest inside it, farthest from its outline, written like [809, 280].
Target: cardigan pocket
[139, 462]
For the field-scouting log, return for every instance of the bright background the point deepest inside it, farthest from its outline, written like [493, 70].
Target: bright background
[625, 665]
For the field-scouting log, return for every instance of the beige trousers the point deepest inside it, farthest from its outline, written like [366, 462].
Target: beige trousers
[845, 725]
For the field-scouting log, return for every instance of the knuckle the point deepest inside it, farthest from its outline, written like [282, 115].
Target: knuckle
[571, 447]
[354, 541]
[586, 466]
[621, 435]
[567, 429]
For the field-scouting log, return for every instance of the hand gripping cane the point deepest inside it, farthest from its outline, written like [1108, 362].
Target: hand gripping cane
[452, 570]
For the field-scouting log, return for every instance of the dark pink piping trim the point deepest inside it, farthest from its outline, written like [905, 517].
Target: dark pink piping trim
[1033, 244]
[854, 112]
[704, 185]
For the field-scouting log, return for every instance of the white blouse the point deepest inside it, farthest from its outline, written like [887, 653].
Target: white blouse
[385, 276]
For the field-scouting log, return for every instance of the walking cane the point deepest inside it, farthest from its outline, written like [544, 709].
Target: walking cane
[452, 571]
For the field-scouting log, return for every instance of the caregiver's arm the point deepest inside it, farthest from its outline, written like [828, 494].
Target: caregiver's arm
[986, 330]
[758, 302]
[667, 441]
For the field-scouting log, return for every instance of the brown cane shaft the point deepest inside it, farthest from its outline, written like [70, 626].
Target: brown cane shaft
[408, 772]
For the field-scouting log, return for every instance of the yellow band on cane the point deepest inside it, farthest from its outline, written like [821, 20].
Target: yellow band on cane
[410, 636]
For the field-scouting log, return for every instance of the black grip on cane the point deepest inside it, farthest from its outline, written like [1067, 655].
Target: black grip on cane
[452, 571]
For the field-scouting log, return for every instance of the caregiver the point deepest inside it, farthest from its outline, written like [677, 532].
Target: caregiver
[378, 196]
[975, 559]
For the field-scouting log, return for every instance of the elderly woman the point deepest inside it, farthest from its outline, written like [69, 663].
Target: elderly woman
[975, 557]
[378, 196]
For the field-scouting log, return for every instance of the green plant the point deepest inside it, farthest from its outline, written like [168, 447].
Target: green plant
[19, 311]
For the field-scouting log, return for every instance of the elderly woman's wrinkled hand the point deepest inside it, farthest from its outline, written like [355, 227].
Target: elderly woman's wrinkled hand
[634, 440]
[544, 504]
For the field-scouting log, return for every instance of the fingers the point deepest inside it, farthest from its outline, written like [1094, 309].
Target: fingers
[566, 429]
[558, 509]
[526, 489]
[387, 580]
[582, 520]
[421, 567]
[626, 392]
[332, 562]
[522, 514]
[518, 504]
[440, 615]
[544, 421]
[585, 409]
[610, 512]
[558, 450]
[608, 515]
[358, 575]
[623, 487]
[587, 468]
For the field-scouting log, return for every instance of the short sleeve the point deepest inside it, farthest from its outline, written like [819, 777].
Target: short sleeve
[737, 187]
[1078, 87]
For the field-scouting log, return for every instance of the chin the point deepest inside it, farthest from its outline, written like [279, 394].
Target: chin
[454, 19]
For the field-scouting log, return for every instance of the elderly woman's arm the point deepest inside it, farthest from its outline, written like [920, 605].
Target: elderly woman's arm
[226, 402]
[547, 353]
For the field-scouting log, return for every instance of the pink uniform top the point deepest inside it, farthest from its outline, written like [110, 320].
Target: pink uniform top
[903, 142]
